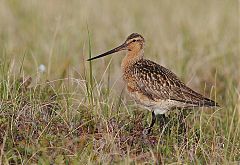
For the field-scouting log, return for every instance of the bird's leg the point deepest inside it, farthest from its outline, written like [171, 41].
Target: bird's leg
[182, 124]
[147, 130]
[163, 120]
[153, 119]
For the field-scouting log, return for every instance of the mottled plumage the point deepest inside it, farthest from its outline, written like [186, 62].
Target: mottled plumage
[153, 86]
[159, 83]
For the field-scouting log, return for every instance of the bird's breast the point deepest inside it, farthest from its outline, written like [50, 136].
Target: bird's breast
[139, 97]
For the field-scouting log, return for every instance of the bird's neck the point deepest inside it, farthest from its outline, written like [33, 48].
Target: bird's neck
[131, 58]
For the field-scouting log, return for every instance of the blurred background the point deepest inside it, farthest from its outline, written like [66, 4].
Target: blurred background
[196, 39]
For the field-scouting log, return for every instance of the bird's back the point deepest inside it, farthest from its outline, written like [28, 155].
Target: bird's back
[160, 84]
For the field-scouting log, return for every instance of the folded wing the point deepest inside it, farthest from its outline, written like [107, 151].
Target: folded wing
[159, 83]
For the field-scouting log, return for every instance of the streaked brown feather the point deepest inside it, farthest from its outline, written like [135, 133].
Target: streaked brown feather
[159, 83]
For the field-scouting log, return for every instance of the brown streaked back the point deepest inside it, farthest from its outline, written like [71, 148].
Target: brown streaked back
[159, 83]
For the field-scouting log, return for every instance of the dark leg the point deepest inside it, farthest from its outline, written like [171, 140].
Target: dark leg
[147, 130]
[153, 119]
[163, 121]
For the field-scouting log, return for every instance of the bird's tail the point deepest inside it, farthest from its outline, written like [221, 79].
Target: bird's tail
[208, 103]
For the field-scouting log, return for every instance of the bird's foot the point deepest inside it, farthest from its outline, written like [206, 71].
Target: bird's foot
[146, 131]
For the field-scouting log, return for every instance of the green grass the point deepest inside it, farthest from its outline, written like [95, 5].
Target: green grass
[76, 112]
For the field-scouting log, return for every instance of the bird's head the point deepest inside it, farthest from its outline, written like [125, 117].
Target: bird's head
[134, 42]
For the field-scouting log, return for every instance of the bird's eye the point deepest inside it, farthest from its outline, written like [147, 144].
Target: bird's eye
[134, 40]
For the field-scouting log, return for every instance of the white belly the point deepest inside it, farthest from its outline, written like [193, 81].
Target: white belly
[159, 106]
[160, 111]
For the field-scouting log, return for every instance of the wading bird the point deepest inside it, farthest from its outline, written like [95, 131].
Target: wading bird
[153, 86]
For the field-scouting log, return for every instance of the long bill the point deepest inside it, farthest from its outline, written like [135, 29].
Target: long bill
[117, 49]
